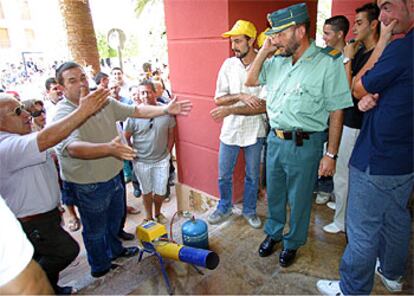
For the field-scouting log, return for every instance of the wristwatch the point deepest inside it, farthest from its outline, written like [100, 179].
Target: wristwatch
[346, 60]
[330, 155]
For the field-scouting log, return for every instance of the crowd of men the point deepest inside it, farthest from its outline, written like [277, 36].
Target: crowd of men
[290, 99]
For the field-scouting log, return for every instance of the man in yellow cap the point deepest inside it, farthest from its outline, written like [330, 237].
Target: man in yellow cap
[244, 127]
[305, 85]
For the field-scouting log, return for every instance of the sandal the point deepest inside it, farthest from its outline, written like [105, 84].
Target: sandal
[74, 224]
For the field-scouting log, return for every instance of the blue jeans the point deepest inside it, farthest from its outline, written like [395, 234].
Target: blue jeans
[378, 225]
[228, 155]
[101, 208]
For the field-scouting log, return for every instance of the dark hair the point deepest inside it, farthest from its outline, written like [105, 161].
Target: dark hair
[62, 68]
[117, 68]
[147, 82]
[338, 23]
[372, 12]
[99, 76]
[49, 82]
[146, 67]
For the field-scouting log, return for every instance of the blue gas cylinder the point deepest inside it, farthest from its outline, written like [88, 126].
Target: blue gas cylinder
[195, 233]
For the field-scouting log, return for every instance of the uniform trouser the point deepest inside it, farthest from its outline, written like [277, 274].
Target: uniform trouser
[54, 248]
[341, 177]
[378, 225]
[290, 177]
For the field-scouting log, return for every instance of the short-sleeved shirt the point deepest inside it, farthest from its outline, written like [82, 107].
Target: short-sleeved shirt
[28, 177]
[352, 115]
[150, 137]
[303, 94]
[385, 143]
[16, 251]
[239, 130]
[99, 128]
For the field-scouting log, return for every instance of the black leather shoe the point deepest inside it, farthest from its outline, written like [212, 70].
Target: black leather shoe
[287, 257]
[126, 236]
[66, 290]
[267, 246]
[129, 252]
[103, 272]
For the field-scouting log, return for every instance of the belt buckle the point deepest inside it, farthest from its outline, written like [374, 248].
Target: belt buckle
[280, 134]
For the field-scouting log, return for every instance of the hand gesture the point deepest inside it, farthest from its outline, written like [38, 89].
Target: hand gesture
[368, 102]
[350, 49]
[387, 30]
[268, 46]
[94, 101]
[121, 151]
[219, 113]
[251, 101]
[175, 107]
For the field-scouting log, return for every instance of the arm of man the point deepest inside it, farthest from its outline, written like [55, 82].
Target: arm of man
[31, 281]
[255, 68]
[358, 89]
[174, 107]
[171, 139]
[327, 164]
[86, 150]
[61, 129]
[224, 111]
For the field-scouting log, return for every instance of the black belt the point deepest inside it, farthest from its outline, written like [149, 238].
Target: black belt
[37, 216]
[288, 135]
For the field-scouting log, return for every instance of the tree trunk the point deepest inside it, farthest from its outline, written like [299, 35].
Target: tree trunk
[80, 32]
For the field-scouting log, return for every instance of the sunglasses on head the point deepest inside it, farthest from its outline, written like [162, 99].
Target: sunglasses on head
[37, 113]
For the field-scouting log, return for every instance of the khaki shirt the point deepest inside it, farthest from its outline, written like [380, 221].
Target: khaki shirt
[303, 94]
[99, 128]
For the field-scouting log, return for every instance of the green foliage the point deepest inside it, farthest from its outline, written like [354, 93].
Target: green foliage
[105, 51]
[140, 5]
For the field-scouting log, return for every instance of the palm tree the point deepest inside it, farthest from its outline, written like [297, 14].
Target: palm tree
[80, 31]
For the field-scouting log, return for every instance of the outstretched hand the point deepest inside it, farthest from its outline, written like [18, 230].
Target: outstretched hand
[121, 151]
[175, 107]
[94, 101]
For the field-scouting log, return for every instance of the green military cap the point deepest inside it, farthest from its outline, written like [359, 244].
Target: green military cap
[286, 17]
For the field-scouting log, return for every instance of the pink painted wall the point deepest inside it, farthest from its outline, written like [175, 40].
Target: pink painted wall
[196, 52]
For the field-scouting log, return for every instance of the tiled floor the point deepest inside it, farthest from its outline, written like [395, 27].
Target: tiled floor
[241, 270]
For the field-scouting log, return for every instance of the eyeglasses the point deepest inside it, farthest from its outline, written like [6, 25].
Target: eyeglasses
[37, 113]
[18, 110]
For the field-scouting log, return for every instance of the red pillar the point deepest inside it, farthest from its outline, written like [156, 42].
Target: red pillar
[196, 52]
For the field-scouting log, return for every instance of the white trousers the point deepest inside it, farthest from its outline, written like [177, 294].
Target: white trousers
[341, 177]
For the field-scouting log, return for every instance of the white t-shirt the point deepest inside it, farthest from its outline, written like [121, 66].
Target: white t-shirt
[15, 249]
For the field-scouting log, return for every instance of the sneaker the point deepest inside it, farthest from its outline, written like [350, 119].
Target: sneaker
[322, 198]
[391, 285]
[331, 205]
[329, 288]
[217, 217]
[332, 228]
[160, 218]
[254, 221]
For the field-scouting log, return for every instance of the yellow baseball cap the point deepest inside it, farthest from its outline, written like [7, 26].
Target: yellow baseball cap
[261, 38]
[242, 27]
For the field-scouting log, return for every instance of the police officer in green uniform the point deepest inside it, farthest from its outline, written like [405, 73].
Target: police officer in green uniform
[305, 85]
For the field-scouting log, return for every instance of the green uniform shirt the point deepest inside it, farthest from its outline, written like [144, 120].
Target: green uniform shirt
[303, 94]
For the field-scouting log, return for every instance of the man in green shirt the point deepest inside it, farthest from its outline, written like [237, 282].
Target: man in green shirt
[305, 85]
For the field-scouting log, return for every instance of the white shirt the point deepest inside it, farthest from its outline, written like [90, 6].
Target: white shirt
[50, 108]
[15, 249]
[239, 130]
[28, 177]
